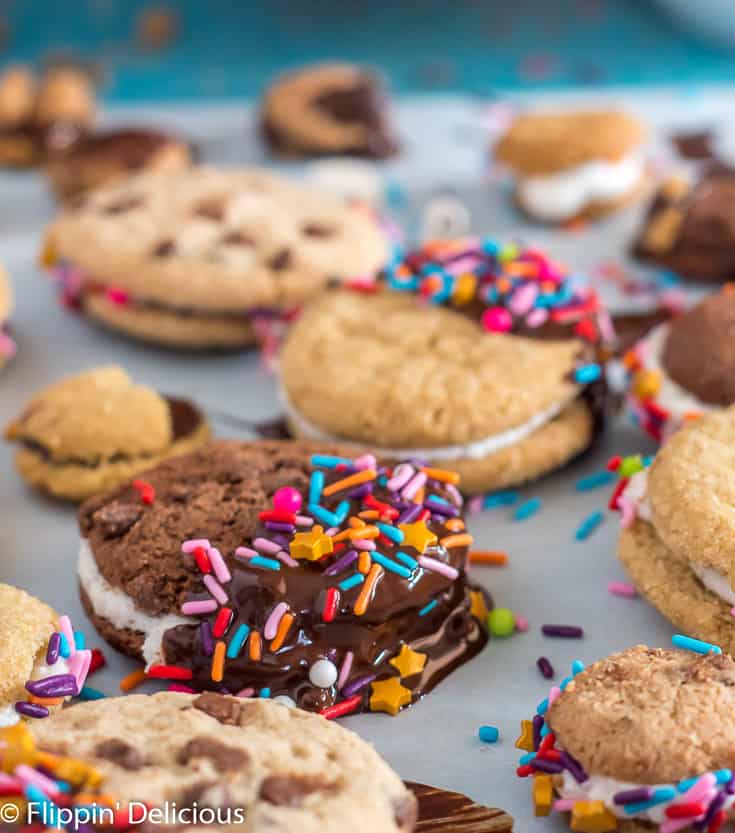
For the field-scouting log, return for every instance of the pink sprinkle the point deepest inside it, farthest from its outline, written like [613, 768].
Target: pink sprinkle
[698, 790]
[537, 317]
[344, 671]
[117, 296]
[245, 552]
[333, 530]
[245, 692]
[302, 520]
[366, 461]
[523, 299]
[79, 666]
[521, 622]
[438, 567]
[8, 347]
[413, 485]
[210, 582]
[8, 781]
[181, 688]
[475, 505]
[402, 473]
[194, 543]
[564, 805]
[627, 511]
[264, 545]
[30, 776]
[285, 558]
[218, 565]
[554, 694]
[66, 628]
[364, 544]
[271, 623]
[604, 322]
[196, 607]
[621, 588]
[732, 611]
[497, 320]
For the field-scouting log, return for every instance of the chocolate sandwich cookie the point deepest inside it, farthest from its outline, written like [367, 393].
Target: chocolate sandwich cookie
[569, 165]
[287, 570]
[44, 117]
[7, 345]
[684, 368]
[43, 659]
[638, 742]
[108, 156]
[201, 257]
[328, 109]
[471, 355]
[93, 431]
[690, 227]
[175, 761]
[677, 529]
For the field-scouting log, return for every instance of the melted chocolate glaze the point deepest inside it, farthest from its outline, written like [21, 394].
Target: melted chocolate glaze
[444, 811]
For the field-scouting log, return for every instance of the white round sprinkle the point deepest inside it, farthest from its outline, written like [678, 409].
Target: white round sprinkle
[285, 700]
[323, 673]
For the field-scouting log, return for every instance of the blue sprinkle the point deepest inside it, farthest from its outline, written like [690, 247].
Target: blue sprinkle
[527, 509]
[407, 560]
[89, 693]
[327, 462]
[545, 731]
[79, 641]
[428, 608]
[723, 775]
[391, 532]
[64, 647]
[488, 734]
[589, 525]
[687, 783]
[340, 513]
[383, 481]
[264, 692]
[316, 484]
[543, 706]
[391, 565]
[265, 563]
[494, 499]
[351, 581]
[577, 667]
[526, 759]
[696, 645]
[587, 373]
[324, 515]
[237, 641]
[437, 499]
[565, 682]
[594, 481]
[660, 796]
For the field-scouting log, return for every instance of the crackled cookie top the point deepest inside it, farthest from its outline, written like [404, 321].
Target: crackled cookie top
[210, 239]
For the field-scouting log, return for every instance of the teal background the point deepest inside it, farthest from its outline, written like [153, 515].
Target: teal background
[229, 49]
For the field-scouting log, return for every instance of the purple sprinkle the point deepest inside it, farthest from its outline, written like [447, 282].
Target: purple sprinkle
[57, 685]
[281, 540]
[445, 509]
[54, 645]
[356, 685]
[543, 765]
[277, 526]
[205, 636]
[563, 631]
[538, 722]
[360, 492]
[713, 809]
[573, 766]
[342, 563]
[633, 796]
[410, 514]
[31, 710]
[730, 786]
[545, 667]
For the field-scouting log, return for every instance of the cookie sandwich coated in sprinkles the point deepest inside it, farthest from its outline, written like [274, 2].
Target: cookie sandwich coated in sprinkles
[640, 741]
[287, 570]
[482, 358]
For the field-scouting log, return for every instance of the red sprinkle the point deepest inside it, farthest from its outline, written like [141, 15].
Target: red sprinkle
[424, 515]
[586, 329]
[169, 672]
[524, 771]
[222, 622]
[613, 504]
[331, 601]
[145, 490]
[385, 509]
[341, 709]
[717, 822]
[281, 517]
[547, 743]
[202, 560]
[98, 661]
[613, 464]
[685, 811]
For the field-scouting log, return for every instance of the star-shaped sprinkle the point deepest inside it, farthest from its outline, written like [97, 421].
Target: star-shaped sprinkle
[543, 794]
[389, 696]
[408, 662]
[478, 605]
[525, 741]
[418, 536]
[311, 545]
[592, 817]
[18, 747]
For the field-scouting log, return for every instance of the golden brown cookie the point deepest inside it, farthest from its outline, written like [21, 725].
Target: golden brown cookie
[90, 432]
[386, 372]
[636, 741]
[110, 155]
[196, 258]
[574, 164]
[7, 345]
[327, 109]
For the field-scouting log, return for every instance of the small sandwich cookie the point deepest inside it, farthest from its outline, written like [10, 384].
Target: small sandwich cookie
[7, 345]
[200, 258]
[677, 529]
[207, 762]
[43, 660]
[328, 109]
[638, 742]
[574, 165]
[286, 570]
[690, 227]
[111, 155]
[684, 368]
[470, 355]
[93, 431]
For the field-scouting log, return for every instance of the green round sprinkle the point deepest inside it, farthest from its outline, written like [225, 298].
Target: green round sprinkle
[630, 465]
[501, 622]
[488, 734]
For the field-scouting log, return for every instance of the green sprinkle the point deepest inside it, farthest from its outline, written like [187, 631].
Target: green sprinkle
[501, 622]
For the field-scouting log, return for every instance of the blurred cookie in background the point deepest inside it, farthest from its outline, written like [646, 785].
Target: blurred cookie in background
[110, 155]
[328, 109]
[574, 165]
[41, 116]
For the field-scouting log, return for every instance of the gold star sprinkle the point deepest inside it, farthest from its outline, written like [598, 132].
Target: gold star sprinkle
[478, 605]
[525, 741]
[418, 536]
[18, 747]
[543, 794]
[408, 662]
[389, 696]
[311, 545]
[592, 817]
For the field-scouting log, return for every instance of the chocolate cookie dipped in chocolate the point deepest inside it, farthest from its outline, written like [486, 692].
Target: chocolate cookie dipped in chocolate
[338, 583]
